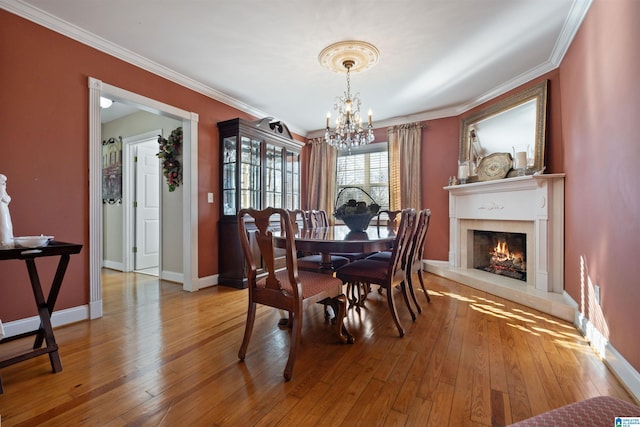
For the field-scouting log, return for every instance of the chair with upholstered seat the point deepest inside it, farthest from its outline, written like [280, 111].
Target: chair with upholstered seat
[388, 275]
[392, 225]
[287, 289]
[412, 258]
[313, 262]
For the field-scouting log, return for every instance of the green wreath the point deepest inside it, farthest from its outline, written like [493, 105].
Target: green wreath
[170, 149]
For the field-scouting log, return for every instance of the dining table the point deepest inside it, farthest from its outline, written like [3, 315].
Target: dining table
[339, 239]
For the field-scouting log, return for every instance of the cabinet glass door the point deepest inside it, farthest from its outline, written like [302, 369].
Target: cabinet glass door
[229, 175]
[292, 180]
[250, 185]
[273, 176]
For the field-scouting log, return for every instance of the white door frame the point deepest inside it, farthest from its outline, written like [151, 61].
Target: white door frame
[129, 145]
[190, 187]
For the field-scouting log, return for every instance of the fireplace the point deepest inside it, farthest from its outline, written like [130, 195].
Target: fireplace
[528, 213]
[504, 254]
[482, 241]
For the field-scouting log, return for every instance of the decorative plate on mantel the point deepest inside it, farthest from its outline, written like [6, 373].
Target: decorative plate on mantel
[494, 166]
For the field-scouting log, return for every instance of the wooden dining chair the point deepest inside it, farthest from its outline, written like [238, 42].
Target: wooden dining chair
[318, 218]
[392, 224]
[393, 218]
[287, 289]
[387, 275]
[299, 219]
[413, 260]
[313, 262]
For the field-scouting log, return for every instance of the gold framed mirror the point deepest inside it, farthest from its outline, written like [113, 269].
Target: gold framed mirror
[519, 120]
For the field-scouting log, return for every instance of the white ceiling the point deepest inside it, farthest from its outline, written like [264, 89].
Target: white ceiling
[437, 57]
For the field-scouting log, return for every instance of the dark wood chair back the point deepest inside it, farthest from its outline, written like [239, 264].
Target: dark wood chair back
[284, 288]
[403, 242]
[413, 264]
[389, 274]
[422, 227]
[393, 219]
[298, 219]
[318, 218]
[312, 262]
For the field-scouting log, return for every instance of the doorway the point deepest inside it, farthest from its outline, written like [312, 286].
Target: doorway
[189, 229]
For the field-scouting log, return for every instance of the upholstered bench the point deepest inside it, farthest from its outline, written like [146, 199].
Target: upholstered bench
[595, 412]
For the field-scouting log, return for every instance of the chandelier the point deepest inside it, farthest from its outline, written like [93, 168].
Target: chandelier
[349, 131]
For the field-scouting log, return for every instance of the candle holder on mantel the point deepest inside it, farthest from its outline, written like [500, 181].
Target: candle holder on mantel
[520, 161]
[463, 171]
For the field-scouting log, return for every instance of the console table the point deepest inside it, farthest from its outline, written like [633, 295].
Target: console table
[45, 307]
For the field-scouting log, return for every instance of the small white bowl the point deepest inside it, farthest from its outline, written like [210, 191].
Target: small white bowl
[32, 241]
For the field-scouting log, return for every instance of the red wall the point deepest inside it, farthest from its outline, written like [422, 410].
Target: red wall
[594, 104]
[600, 118]
[439, 161]
[44, 136]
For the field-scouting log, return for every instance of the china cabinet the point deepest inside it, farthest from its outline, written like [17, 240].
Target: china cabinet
[260, 167]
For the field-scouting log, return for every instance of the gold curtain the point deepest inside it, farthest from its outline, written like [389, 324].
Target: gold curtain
[322, 173]
[404, 166]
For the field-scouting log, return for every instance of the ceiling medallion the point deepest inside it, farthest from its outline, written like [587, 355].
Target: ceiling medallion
[340, 57]
[364, 56]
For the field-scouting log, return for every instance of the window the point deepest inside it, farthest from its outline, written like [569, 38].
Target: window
[366, 167]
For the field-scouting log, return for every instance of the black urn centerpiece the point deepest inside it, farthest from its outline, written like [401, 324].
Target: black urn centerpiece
[355, 207]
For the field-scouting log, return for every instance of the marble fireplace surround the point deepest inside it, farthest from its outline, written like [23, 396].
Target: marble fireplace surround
[533, 205]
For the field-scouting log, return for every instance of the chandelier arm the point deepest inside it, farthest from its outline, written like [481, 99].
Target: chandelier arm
[348, 132]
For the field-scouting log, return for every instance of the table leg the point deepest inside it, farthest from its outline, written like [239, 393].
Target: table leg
[339, 305]
[325, 263]
[45, 316]
[53, 295]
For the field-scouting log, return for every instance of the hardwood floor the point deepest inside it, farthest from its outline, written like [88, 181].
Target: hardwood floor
[161, 356]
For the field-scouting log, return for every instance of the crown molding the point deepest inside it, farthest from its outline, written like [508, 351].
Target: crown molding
[576, 15]
[76, 33]
[572, 24]
[578, 11]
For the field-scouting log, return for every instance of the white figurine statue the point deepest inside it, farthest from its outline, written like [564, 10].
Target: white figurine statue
[6, 228]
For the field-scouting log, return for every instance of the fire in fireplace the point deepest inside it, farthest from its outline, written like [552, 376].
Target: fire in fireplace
[501, 253]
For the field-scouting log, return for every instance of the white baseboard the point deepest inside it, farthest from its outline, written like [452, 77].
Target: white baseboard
[95, 309]
[172, 276]
[114, 265]
[58, 318]
[206, 282]
[622, 369]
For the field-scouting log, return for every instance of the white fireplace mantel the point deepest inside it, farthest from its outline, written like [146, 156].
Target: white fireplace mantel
[533, 204]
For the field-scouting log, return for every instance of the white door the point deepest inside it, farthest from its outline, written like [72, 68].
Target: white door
[147, 204]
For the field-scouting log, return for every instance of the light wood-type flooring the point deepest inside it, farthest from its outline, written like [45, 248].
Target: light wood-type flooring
[164, 357]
